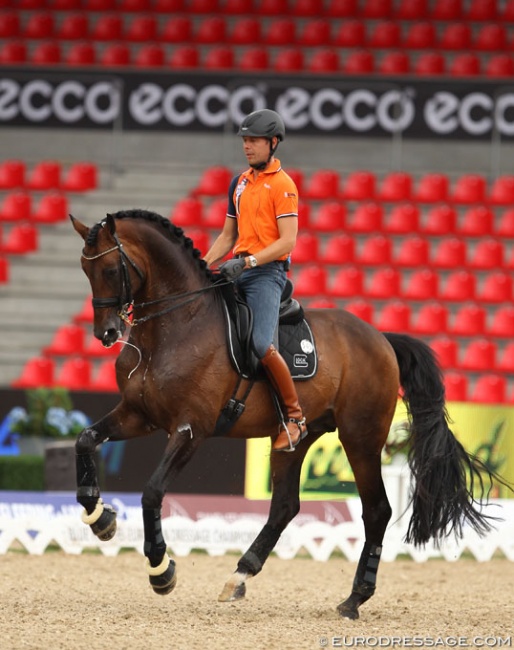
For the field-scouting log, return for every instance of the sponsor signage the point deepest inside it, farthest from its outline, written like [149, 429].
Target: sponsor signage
[442, 108]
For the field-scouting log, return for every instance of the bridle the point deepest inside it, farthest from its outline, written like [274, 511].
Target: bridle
[125, 300]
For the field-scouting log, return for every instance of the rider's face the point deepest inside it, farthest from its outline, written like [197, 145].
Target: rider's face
[256, 150]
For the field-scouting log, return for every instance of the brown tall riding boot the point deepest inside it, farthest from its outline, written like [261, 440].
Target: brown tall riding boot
[280, 377]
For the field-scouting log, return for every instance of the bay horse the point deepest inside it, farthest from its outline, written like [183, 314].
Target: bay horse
[176, 375]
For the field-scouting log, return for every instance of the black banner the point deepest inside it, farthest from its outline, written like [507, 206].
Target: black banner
[417, 108]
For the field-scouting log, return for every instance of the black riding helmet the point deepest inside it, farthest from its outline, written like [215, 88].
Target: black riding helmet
[263, 123]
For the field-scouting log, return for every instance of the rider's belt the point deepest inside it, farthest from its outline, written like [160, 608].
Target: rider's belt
[285, 263]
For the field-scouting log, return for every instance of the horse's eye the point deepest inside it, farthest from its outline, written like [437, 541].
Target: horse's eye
[111, 272]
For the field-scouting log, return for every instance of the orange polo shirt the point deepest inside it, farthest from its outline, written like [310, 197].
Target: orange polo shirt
[257, 204]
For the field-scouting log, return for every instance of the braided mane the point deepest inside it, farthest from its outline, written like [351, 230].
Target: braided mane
[174, 233]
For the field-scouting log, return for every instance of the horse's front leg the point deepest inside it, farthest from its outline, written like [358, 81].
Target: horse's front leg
[117, 425]
[160, 567]
[285, 505]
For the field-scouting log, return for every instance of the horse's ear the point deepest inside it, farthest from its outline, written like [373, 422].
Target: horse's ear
[110, 223]
[82, 230]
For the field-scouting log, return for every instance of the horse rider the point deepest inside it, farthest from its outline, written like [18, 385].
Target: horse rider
[261, 228]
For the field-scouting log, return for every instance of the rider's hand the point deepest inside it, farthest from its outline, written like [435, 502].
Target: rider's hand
[232, 269]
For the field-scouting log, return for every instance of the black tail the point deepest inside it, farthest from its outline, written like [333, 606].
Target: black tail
[445, 475]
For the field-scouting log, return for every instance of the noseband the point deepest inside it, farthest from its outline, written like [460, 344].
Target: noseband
[125, 301]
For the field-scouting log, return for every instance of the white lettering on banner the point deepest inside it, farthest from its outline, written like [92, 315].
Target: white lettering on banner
[204, 105]
[143, 103]
[503, 103]
[439, 112]
[293, 105]
[355, 122]
[69, 101]
[468, 104]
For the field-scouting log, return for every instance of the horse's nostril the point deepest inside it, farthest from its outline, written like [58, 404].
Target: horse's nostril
[110, 337]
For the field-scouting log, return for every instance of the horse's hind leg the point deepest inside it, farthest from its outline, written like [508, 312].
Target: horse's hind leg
[376, 513]
[285, 504]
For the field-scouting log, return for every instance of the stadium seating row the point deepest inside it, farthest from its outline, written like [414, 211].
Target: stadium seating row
[222, 57]
[316, 32]
[17, 206]
[74, 373]
[441, 10]
[48, 175]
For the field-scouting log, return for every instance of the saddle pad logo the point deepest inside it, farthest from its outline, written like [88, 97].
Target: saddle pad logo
[300, 361]
[307, 346]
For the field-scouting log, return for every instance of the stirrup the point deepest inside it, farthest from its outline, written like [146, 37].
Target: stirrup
[302, 428]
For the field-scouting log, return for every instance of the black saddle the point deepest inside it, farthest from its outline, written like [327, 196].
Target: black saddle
[295, 338]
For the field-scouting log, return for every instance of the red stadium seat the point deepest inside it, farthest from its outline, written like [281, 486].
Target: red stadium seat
[359, 186]
[73, 27]
[446, 351]
[254, 58]
[506, 359]
[341, 8]
[403, 219]
[234, 7]
[108, 27]
[502, 190]
[99, 5]
[502, 322]
[281, 31]
[4, 270]
[482, 10]
[440, 220]
[459, 286]
[305, 8]
[376, 251]
[504, 225]
[360, 308]
[304, 215]
[413, 251]
[330, 217]
[211, 30]
[131, 6]
[306, 250]
[75, 374]
[432, 188]
[359, 63]
[324, 61]
[489, 389]
[46, 53]
[367, 218]
[394, 317]
[149, 56]
[186, 56]
[289, 60]
[446, 10]
[477, 222]
[13, 52]
[141, 29]
[469, 321]
[375, 9]
[187, 212]
[340, 249]
[385, 35]
[455, 36]
[215, 214]
[12, 174]
[38, 372]
[21, 239]
[115, 55]
[496, 287]
[420, 36]
[450, 253]
[322, 184]
[203, 6]
[384, 284]
[393, 63]
[46, 175]
[10, 25]
[411, 10]
[297, 177]
[456, 387]
[470, 188]
[86, 314]
[68, 340]
[39, 26]
[178, 29]
[465, 65]
[273, 7]
[200, 238]
[500, 65]
[350, 33]
[490, 38]
[430, 63]
[507, 11]
[52, 208]
[105, 378]
[347, 282]
[80, 54]
[479, 355]
[487, 254]
[396, 186]
[246, 31]
[214, 181]
[315, 33]
[422, 285]
[81, 177]
[16, 206]
[431, 319]
[219, 58]
[310, 281]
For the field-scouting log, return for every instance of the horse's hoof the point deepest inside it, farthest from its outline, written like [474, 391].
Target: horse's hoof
[105, 526]
[232, 592]
[348, 610]
[164, 582]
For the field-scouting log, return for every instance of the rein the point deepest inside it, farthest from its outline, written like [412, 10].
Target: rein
[125, 301]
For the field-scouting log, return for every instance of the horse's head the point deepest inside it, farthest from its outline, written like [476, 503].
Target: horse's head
[113, 275]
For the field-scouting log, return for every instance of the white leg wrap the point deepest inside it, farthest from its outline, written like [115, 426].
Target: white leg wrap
[157, 570]
[95, 515]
